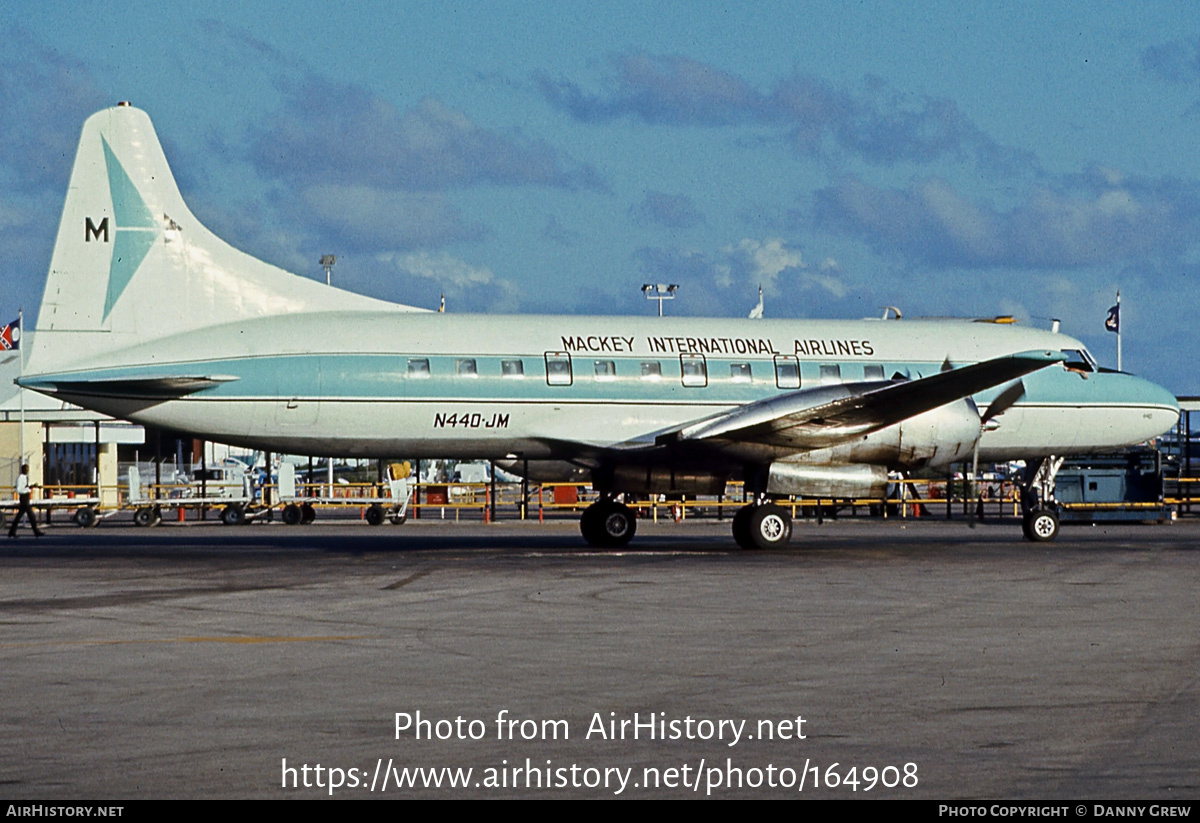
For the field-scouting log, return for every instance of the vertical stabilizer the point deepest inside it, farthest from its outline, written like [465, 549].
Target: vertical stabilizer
[131, 264]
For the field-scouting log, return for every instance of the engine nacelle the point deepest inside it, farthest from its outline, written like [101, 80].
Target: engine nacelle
[813, 480]
[936, 438]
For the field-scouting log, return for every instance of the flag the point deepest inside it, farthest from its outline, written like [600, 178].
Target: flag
[10, 335]
[442, 307]
[1113, 321]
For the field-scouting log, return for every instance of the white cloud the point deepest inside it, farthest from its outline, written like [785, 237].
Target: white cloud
[762, 261]
[443, 268]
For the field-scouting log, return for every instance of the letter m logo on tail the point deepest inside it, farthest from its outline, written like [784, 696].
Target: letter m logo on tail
[93, 232]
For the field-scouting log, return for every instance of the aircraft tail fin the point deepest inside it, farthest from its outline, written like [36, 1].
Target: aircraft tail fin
[132, 264]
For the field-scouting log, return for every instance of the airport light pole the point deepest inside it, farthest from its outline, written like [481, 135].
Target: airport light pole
[660, 292]
[327, 260]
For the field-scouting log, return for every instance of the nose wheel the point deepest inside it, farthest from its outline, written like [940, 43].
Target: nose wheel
[1040, 525]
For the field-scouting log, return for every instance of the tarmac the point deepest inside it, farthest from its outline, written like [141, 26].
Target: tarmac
[883, 659]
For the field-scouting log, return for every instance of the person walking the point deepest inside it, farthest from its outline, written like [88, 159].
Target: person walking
[24, 491]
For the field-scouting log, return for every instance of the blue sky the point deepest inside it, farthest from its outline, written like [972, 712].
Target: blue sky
[947, 158]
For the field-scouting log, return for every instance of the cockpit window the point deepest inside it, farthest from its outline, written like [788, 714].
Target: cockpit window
[1079, 360]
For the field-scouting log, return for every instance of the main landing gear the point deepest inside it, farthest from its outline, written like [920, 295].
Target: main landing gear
[607, 524]
[762, 526]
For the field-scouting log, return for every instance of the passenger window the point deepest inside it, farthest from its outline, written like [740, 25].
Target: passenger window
[558, 368]
[651, 370]
[465, 367]
[787, 371]
[694, 370]
[831, 373]
[418, 367]
[606, 370]
[872, 371]
[512, 368]
[739, 372]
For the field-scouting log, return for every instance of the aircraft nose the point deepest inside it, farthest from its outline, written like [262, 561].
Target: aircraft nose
[1158, 408]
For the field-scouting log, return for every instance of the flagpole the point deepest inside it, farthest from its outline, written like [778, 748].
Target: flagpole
[20, 374]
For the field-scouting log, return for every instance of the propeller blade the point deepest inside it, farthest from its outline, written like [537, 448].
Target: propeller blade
[1004, 401]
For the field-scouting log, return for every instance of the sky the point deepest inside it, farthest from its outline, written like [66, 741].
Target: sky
[966, 159]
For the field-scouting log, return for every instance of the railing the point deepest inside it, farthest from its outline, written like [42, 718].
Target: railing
[909, 498]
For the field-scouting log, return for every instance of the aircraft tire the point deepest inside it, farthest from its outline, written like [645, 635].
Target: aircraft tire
[375, 514]
[770, 526]
[292, 515]
[233, 515]
[607, 524]
[85, 517]
[307, 513]
[741, 528]
[1041, 525]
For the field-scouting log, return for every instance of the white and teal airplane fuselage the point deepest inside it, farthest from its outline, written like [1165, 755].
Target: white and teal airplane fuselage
[148, 316]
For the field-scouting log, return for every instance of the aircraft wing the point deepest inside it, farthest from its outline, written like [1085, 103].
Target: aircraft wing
[827, 416]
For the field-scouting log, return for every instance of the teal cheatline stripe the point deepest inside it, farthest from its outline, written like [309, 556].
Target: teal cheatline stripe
[128, 206]
[129, 250]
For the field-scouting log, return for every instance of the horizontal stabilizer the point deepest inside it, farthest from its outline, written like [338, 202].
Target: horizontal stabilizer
[153, 387]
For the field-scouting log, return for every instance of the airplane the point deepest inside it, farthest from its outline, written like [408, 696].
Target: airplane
[148, 316]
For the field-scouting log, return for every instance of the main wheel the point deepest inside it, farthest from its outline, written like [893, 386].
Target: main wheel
[292, 515]
[1041, 525]
[741, 528]
[770, 526]
[375, 514]
[607, 524]
[307, 513]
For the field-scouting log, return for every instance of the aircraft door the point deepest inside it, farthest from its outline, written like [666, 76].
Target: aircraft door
[558, 368]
